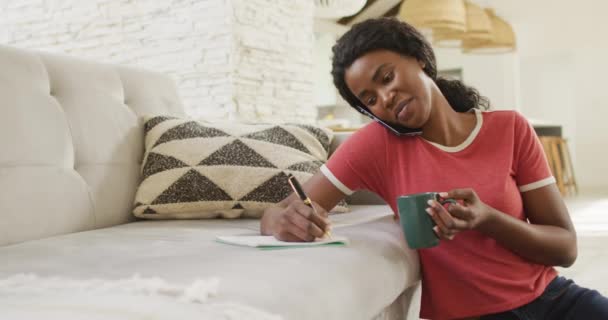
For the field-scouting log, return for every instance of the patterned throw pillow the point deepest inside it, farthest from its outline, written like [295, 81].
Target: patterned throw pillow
[195, 169]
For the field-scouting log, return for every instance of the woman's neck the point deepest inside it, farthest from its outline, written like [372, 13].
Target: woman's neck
[446, 126]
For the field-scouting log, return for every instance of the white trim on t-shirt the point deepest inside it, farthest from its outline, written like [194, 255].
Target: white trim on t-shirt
[468, 140]
[537, 184]
[337, 183]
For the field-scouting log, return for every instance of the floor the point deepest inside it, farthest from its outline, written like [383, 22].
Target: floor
[589, 212]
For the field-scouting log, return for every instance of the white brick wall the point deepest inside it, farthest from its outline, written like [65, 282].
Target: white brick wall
[231, 59]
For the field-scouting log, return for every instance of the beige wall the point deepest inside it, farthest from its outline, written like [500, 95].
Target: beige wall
[494, 76]
[557, 75]
[563, 79]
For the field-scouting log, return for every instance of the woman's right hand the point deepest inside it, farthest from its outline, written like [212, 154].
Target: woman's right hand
[299, 223]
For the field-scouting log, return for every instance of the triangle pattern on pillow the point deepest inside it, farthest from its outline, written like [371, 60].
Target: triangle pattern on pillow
[192, 187]
[306, 166]
[236, 154]
[237, 181]
[281, 156]
[156, 162]
[192, 151]
[272, 190]
[195, 169]
[240, 129]
[318, 133]
[190, 129]
[152, 122]
[280, 136]
[149, 211]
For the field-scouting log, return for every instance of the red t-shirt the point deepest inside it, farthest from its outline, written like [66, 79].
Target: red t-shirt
[471, 274]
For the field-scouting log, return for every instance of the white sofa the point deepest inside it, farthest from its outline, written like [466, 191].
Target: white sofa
[71, 142]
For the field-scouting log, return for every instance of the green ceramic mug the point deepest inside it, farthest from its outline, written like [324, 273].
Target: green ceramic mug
[416, 223]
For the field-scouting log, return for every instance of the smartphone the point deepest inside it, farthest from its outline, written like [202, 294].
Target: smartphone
[396, 129]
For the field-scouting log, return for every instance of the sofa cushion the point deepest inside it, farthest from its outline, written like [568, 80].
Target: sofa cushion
[354, 282]
[195, 169]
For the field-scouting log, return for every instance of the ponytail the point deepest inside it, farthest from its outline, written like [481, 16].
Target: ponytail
[461, 97]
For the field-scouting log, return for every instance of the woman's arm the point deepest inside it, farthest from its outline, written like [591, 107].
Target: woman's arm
[292, 220]
[548, 239]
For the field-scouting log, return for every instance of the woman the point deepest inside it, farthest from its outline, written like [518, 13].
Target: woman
[511, 225]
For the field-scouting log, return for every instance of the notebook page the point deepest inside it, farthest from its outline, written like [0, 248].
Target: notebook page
[271, 241]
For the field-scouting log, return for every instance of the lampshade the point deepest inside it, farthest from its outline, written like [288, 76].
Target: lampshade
[502, 38]
[445, 15]
[478, 30]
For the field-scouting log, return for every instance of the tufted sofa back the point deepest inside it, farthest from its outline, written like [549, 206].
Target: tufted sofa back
[71, 141]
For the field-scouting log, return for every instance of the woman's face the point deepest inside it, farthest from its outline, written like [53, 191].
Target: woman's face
[393, 87]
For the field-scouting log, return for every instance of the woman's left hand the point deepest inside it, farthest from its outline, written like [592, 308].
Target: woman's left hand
[458, 217]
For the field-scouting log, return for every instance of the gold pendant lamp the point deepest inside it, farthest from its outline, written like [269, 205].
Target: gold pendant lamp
[444, 15]
[502, 38]
[478, 29]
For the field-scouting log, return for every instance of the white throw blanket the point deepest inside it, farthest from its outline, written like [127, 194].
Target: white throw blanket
[27, 296]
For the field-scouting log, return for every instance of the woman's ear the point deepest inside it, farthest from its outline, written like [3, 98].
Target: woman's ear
[422, 64]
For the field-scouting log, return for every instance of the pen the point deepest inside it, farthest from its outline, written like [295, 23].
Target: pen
[297, 188]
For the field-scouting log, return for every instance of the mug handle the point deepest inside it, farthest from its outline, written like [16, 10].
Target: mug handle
[445, 201]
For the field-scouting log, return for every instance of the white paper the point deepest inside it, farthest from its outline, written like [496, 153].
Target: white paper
[271, 241]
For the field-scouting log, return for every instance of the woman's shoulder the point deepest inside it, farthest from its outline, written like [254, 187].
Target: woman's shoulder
[369, 132]
[503, 116]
